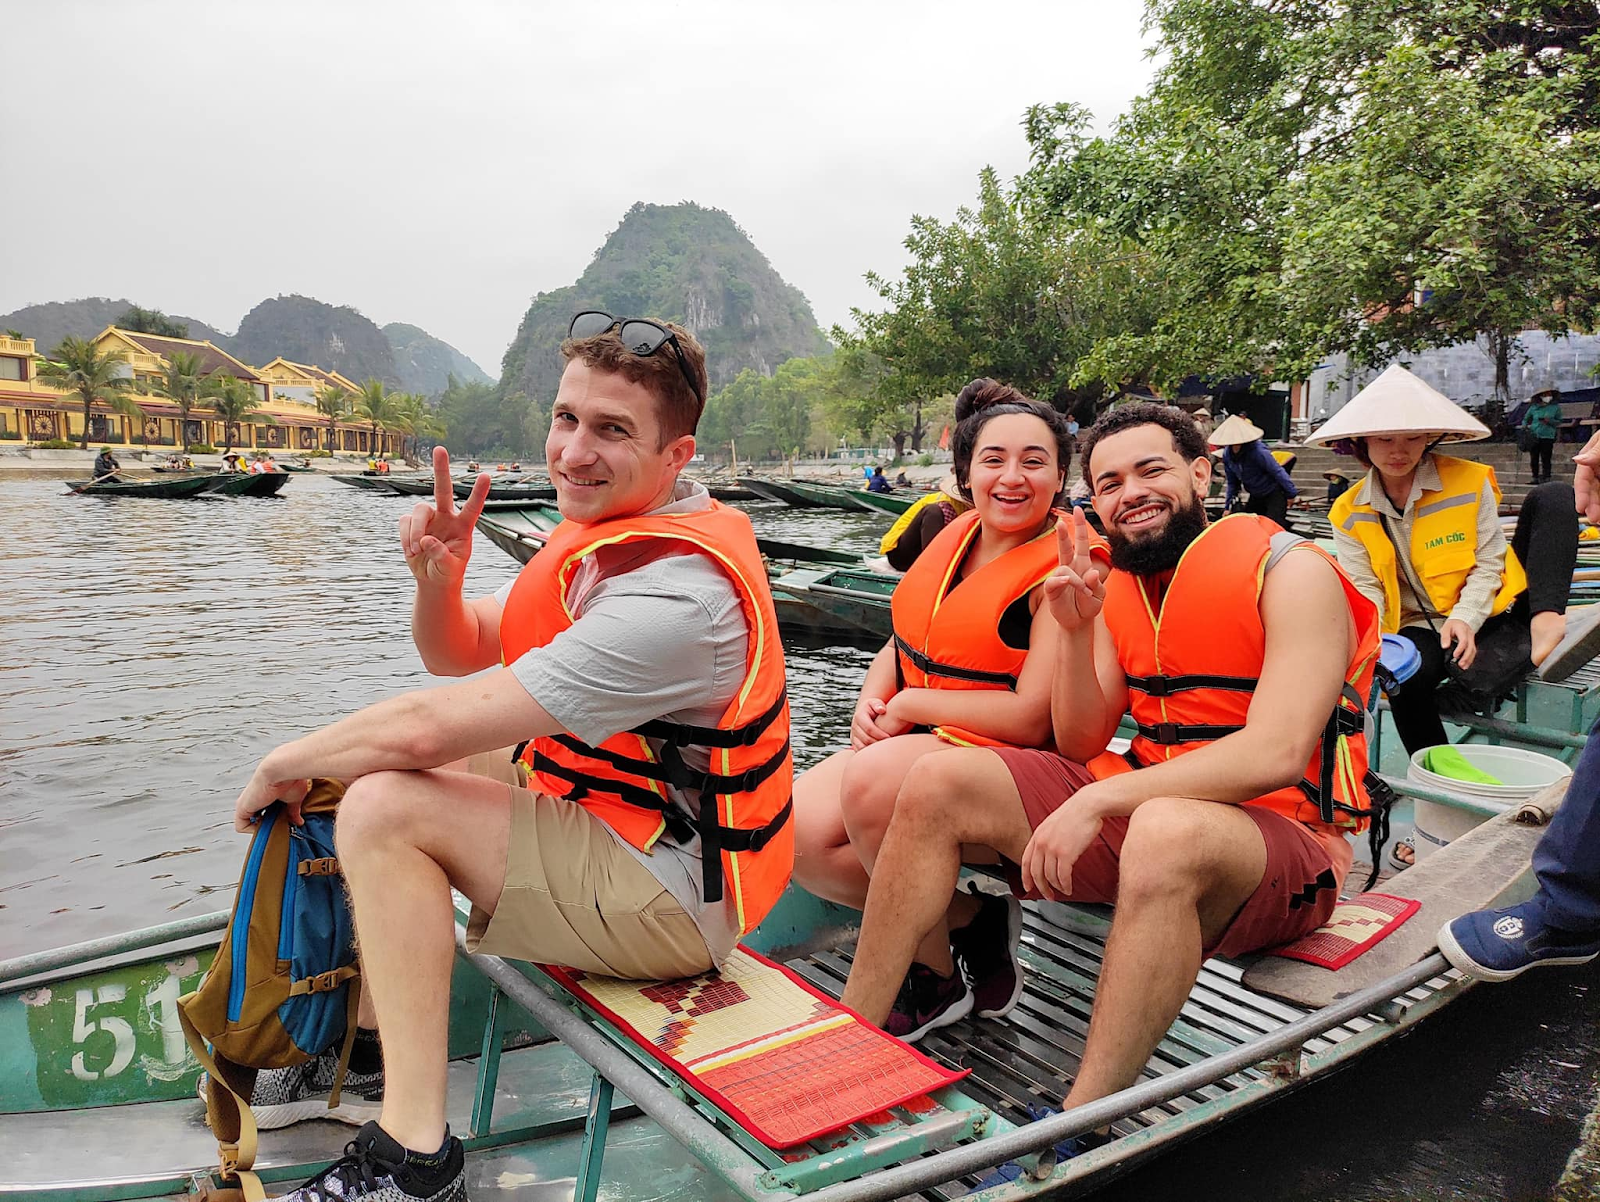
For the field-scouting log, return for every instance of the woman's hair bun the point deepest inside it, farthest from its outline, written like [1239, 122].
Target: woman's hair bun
[979, 394]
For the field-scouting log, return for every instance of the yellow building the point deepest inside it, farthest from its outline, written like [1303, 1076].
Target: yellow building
[32, 411]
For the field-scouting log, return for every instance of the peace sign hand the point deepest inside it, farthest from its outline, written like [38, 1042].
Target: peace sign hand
[1075, 591]
[437, 539]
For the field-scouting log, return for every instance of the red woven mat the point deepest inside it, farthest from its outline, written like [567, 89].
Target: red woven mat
[1352, 928]
[785, 1061]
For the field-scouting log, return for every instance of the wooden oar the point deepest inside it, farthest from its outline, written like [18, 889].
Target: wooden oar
[93, 482]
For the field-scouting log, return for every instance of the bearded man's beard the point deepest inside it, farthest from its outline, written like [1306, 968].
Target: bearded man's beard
[1157, 553]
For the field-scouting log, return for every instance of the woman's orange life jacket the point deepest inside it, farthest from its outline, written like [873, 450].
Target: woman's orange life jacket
[1192, 662]
[747, 840]
[949, 638]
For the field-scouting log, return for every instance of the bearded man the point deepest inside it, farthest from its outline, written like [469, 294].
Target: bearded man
[1245, 656]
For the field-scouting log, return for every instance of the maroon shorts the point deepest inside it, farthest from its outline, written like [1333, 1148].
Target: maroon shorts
[1296, 895]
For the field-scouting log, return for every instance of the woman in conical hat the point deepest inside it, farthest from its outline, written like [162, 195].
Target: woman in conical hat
[1250, 468]
[1456, 588]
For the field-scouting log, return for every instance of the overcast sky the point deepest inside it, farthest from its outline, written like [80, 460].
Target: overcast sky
[440, 164]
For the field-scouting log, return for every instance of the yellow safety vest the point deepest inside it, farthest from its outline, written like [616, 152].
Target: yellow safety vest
[1444, 539]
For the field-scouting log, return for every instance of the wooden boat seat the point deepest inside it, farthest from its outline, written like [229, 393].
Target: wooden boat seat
[1487, 866]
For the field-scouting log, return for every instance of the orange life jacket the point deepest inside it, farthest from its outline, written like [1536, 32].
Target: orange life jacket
[745, 803]
[949, 638]
[1192, 666]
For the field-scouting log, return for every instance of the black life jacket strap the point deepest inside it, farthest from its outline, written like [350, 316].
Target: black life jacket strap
[1169, 733]
[584, 783]
[682, 734]
[716, 839]
[932, 667]
[672, 770]
[1166, 686]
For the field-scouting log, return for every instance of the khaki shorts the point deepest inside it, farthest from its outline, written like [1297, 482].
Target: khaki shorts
[574, 895]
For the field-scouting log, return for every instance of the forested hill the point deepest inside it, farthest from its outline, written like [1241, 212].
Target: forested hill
[305, 330]
[684, 263]
[425, 363]
[49, 323]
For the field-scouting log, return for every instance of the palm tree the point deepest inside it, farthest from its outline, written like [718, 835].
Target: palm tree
[417, 421]
[374, 403]
[182, 381]
[235, 402]
[333, 403]
[82, 369]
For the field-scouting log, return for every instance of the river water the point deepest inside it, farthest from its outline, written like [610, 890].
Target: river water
[151, 652]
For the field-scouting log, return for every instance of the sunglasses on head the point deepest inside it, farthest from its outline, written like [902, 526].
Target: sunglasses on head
[639, 335]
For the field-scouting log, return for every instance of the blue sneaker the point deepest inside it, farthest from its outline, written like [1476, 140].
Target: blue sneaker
[1496, 945]
[1050, 1157]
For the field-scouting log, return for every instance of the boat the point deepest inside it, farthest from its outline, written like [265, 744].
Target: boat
[855, 596]
[172, 487]
[99, 1095]
[370, 481]
[758, 487]
[249, 484]
[806, 494]
[892, 503]
[409, 486]
[518, 491]
[295, 467]
[520, 530]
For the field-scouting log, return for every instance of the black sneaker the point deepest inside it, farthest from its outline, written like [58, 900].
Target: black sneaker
[986, 950]
[377, 1169]
[926, 1001]
[283, 1096]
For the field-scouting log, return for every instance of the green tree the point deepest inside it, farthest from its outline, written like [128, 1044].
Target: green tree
[377, 406]
[182, 381]
[90, 375]
[1378, 178]
[535, 426]
[235, 403]
[416, 421]
[333, 403]
[1007, 289]
[151, 321]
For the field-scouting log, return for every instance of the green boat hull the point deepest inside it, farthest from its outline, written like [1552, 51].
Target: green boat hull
[250, 484]
[111, 1037]
[172, 488]
[892, 503]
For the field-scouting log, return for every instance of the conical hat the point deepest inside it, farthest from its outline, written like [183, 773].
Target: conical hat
[1397, 402]
[1237, 429]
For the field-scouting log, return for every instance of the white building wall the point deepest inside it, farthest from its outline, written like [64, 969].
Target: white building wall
[1465, 372]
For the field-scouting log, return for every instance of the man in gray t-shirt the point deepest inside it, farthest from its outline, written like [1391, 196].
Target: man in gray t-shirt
[648, 633]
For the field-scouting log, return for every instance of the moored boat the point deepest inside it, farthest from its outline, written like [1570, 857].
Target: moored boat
[508, 492]
[892, 503]
[807, 494]
[855, 596]
[174, 486]
[370, 481]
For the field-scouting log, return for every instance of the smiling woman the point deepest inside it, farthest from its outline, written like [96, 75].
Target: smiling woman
[969, 665]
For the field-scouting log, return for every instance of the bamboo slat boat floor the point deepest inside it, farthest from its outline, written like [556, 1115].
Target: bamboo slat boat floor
[1032, 1055]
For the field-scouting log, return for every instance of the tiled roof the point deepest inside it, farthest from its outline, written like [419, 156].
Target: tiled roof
[212, 358]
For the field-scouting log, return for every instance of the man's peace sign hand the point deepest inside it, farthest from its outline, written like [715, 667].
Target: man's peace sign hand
[1076, 590]
[437, 538]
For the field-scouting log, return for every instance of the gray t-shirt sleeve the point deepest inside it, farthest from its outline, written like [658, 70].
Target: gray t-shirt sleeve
[639, 650]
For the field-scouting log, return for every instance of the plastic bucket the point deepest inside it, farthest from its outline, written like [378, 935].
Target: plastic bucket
[1525, 773]
[1400, 655]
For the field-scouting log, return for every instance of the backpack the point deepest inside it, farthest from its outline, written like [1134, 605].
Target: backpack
[284, 986]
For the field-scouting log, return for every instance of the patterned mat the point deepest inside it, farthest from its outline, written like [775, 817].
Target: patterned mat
[786, 1062]
[1353, 927]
